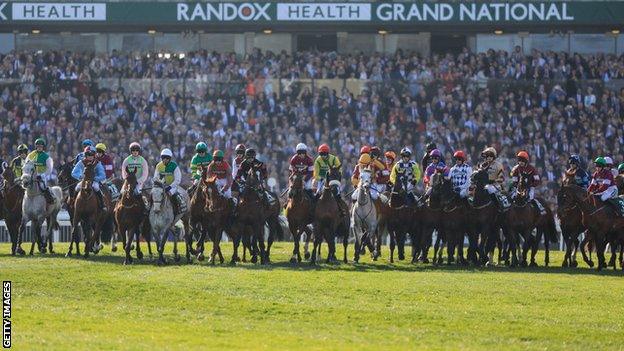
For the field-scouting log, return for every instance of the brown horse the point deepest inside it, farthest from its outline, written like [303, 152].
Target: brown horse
[220, 210]
[129, 214]
[571, 223]
[251, 212]
[198, 219]
[521, 219]
[87, 214]
[300, 210]
[599, 218]
[326, 221]
[399, 219]
[483, 217]
[12, 195]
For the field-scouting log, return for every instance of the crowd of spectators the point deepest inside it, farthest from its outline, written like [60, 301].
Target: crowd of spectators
[550, 104]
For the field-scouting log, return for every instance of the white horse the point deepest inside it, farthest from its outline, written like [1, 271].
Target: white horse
[162, 220]
[36, 210]
[364, 218]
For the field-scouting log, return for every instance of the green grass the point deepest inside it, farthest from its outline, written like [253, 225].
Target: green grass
[68, 303]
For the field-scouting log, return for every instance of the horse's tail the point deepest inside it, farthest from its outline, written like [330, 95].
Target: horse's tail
[551, 227]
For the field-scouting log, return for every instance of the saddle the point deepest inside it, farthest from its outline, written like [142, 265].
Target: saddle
[618, 205]
[503, 201]
[539, 206]
[114, 192]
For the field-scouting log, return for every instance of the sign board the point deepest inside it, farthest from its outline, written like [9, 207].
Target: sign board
[263, 13]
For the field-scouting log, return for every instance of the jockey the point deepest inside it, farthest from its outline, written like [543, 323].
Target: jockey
[322, 165]
[301, 163]
[85, 143]
[581, 177]
[496, 176]
[365, 163]
[201, 159]
[365, 150]
[3, 165]
[408, 172]
[220, 169]
[389, 157]
[252, 163]
[611, 166]
[523, 168]
[602, 183]
[136, 161]
[44, 167]
[620, 169]
[460, 174]
[168, 172]
[381, 173]
[436, 165]
[238, 159]
[106, 160]
[18, 161]
[89, 159]
[426, 158]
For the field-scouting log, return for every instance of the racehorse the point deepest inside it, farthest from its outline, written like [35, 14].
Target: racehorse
[220, 210]
[399, 220]
[251, 214]
[599, 218]
[162, 220]
[35, 209]
[87, 215]
[483, 217]
[364, 217]
[521, 219]
[452, 226]
[12, 195]
[198, 221]
[571, 224]
[129, 217]
[326, 221]
[299, 212]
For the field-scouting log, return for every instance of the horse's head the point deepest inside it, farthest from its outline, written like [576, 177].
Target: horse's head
[130, 182]
[64, 174]
[29, 173]
[398, 193]
[569, 196]
[568, 177]
[366, 176]
[88, 176]
[296, 184]
[158, 196]
[8, 175]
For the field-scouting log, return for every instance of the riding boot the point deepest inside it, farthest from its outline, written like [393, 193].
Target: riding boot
[100, 199]
[310, 193]
[191, 190]
[178, 204]
[539, 206]
[338, 200]
[48, 196]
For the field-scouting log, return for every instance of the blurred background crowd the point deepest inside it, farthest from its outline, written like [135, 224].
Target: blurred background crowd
[548, 103]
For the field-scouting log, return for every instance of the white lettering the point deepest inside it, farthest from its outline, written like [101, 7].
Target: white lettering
[57, 11]
[446, 12]
[484, 12]
[465, 11]
[536, 13]
[198, 12]
[514, 12]
[414, 12]
[564, 10]
[384, 12]
[183, 12]
[553, 11]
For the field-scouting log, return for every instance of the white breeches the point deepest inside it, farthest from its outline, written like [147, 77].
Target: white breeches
[222, 183]
[491, 188]
[610, 193]
[95, 185]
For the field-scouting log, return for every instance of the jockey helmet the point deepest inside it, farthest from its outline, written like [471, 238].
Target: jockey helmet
[365, 149]
[217, 154]
[574, 159]
[489, 151]
[406, 152]
[365, 159]
[609, 161]
[135, 146]
[390, 155]
[375, 151]
[40, 141]
[621, 168]
[459, 155]
[323, 148]
[240, 149]
[435, 153]
[431, 146]
[201, 147]
[100, 146]
[250, 153]
[166, 152]
[301, 147]
[600, 161]
[88, 142]
[523, 156]
[89, 150]
[22, 148]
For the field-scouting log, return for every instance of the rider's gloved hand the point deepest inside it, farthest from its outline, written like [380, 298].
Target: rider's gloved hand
[168, 188]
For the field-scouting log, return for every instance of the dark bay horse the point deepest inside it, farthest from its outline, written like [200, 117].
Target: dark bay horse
[129, 214]
[571, 223]
[12, 195]
[483, 217]
[326, 221]
[599, 218]
[220, 210]
[453, 222]
[299, 212]
[198, 218]
[88, 215]
[399, 220]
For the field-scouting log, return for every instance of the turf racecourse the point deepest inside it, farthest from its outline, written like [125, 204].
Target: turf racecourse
[68, 304]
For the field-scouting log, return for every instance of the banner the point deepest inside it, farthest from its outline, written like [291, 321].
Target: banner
[294, 13]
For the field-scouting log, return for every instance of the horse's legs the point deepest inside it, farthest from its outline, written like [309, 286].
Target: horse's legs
[567, 259]
[392, 234]
[160, 244]
[356, 255]
[236, 239]
[546, 249]
[345, 245]
[33, 236]
[50, 232]
[213, 237]
[574, 243]
[450, 247]
[600, 250]
[260, 240]
[331, 247]
[176, 238]
[535, 240]
[128, 235]
[296, 232]
[584, 244]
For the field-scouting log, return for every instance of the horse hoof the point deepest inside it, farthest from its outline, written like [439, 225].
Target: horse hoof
[401, 257]
[533, 264]
[176, 258]
[139, 255]
[590, 264]
[232, 262]
[86, 256]
[564, 264]
[52, 252]
[546, 264]
[20, 251]
[523, 264]
[293, 260]
[201, 257]
[574, 264]
[69, 254]
[114, 249]
[425, 260]
[307, 256]
[345, 261]
[127, 261]
[254, 259]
